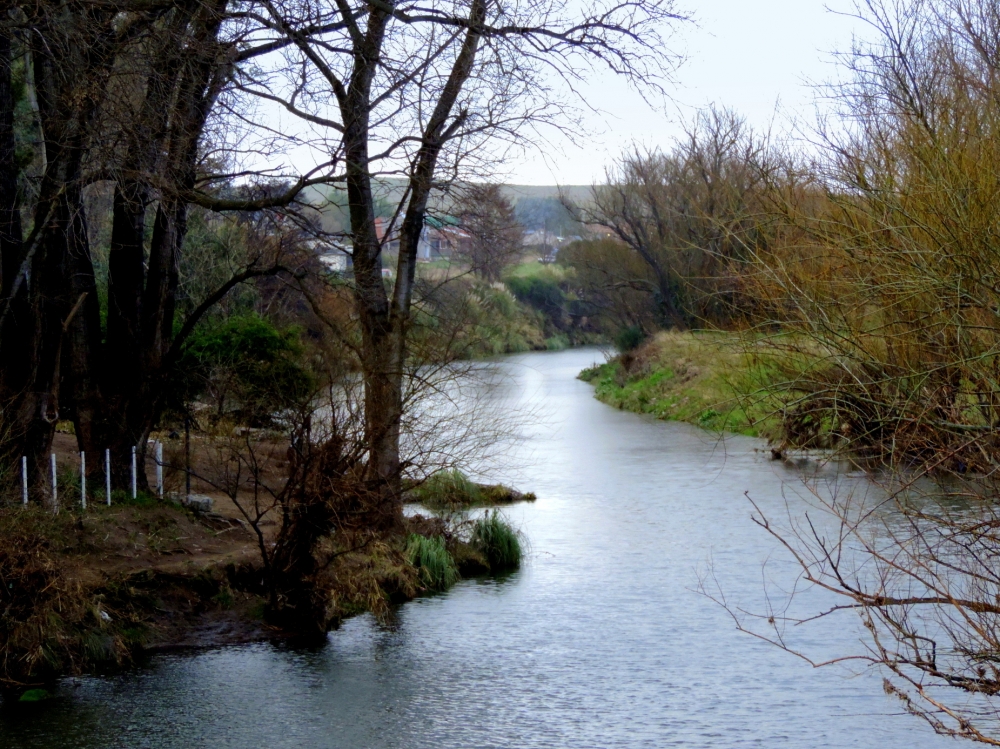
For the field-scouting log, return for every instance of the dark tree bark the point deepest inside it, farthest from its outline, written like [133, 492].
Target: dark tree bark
[185, 74]
[55, 301]
[13, 312]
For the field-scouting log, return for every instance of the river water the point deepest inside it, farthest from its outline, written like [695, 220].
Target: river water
[602, 640]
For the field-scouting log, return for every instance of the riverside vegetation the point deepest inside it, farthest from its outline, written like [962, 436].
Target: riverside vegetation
[535, 308]
[151, 281]
[99, 589]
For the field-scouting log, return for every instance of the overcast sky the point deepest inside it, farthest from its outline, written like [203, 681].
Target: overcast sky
[751, 55]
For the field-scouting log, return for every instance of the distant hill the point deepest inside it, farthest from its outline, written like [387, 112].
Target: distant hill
[538, 206]
[576, 193]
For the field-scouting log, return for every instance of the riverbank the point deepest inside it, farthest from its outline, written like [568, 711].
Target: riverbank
[701, 378]
[86, 591]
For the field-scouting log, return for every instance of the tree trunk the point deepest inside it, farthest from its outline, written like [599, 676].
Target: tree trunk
[182, 84]
[384, 326]
[83, 360]
[37, 405]
[369, 288]
[55, 304]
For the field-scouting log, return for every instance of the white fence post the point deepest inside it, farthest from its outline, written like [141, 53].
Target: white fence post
[55, 485]
[159, 468]
[107, 474]
[83, 480]
[133, 472]
[24, 480]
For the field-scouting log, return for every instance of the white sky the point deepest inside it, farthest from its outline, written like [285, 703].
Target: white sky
[753, 56]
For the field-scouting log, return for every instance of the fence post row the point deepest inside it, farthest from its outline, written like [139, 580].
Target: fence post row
[158, 454]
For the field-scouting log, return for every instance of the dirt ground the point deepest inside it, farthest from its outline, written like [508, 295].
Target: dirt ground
[209, 475]
[176, 558]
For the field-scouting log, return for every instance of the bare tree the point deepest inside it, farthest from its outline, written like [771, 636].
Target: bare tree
[127, 93]
[690, 216]
[495, 234]
[302, 488]
[418, 92]
[917, 565]
[886, 301]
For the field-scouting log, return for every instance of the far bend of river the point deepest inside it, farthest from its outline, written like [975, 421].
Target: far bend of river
[600, 641]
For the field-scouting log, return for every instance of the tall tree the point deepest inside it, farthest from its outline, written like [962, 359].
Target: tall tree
[690, 217]
[125, 92]
[421, 91]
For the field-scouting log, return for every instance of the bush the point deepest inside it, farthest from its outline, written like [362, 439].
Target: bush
[434, 563]
[245, 363]
[557, 342]
[541, 293]
[629, 339]
[496, 540]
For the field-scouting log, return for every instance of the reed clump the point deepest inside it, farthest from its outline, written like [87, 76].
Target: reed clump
[433, 561]
[497, 540]
[449, 488]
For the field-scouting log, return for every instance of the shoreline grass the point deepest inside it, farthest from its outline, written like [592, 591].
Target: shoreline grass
[451, 490]
[434, 563]
[702, 378]
[498, 541]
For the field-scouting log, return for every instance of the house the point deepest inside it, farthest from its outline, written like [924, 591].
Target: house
[333, 255]
[440, 238]
[540, 239]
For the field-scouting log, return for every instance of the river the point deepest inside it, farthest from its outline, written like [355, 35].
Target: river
[602, 640]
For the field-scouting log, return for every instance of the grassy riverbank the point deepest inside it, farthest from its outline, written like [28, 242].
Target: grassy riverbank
[702, 378]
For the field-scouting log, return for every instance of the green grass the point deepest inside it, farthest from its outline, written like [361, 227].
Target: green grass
[704, 379]
[434, 563]
[533, 268]
[452, 490]
[446, 489]
[35, 695]
[497, 540]
[124, 497]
